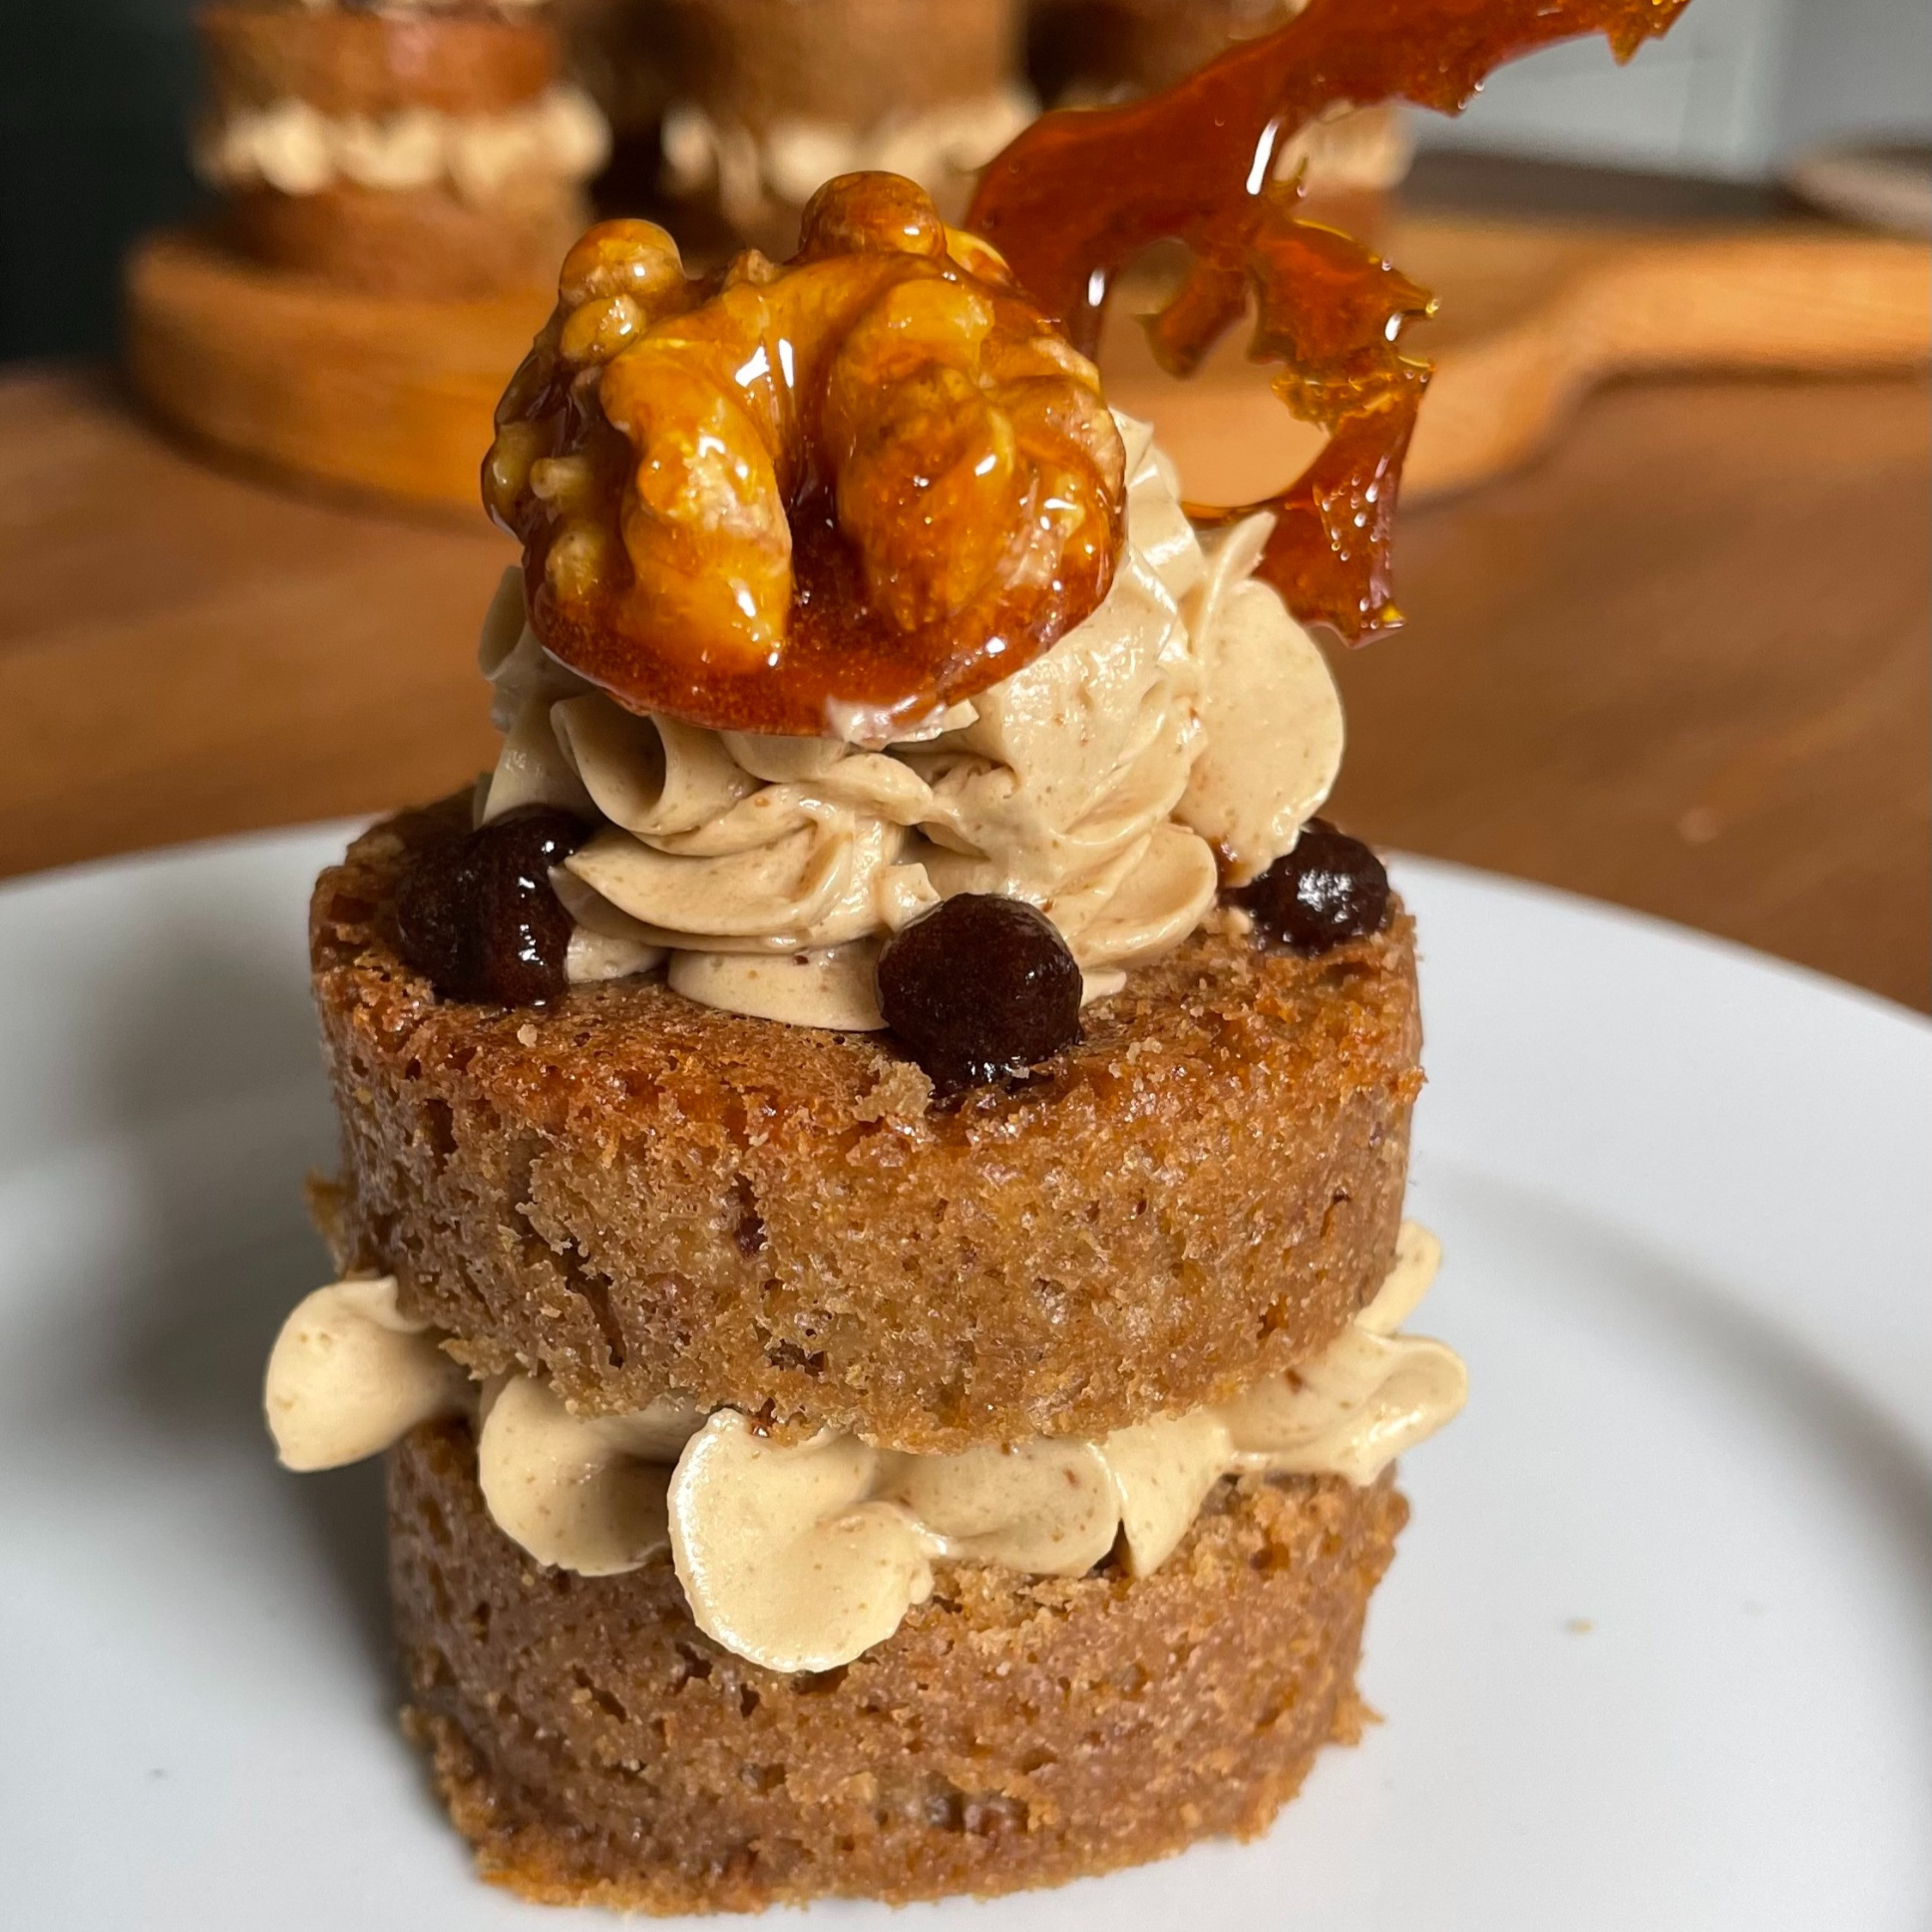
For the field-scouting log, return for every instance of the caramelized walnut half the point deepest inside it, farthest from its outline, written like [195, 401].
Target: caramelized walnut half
[828, 497]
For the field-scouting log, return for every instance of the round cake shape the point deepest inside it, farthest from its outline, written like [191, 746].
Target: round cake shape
[597, 1748]
[773, 101]
[632, 1194]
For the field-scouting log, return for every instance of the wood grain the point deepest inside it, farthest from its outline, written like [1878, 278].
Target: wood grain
[1815, 304]
[1534, 315]
[182, 652]
[1679, 663]
[388, 393]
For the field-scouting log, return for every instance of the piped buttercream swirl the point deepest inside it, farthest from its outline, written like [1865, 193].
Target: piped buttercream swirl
[803, 1556]
[1186, 730]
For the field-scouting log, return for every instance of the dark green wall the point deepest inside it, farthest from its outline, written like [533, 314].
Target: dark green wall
[94, 101]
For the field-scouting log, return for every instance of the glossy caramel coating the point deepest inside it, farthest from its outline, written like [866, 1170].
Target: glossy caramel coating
[828, 497]
[1077, 197]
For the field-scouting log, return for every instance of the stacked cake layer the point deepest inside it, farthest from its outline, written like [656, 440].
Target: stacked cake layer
[874, 1139]
[877, 1495]
[632, 1194]
[1017, 1731]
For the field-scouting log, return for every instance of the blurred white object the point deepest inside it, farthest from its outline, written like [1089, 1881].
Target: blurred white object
[1882, 185]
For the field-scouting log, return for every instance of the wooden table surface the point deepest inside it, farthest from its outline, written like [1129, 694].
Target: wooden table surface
[1679, 663]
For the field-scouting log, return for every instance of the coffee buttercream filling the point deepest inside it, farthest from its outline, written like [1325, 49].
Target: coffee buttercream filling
[802, 1557]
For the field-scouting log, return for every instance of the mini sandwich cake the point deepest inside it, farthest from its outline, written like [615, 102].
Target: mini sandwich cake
[414, 148]
[871, 1216]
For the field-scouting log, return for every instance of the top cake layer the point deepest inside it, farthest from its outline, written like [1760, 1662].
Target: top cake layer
[472, 60]
[634, 1194]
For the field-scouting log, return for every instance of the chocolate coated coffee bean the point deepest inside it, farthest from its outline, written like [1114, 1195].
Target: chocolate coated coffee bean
[435, 914]
[476, 916]
[1329, 889]
[980, 988]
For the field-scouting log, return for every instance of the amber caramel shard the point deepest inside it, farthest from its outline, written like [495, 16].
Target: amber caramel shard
[823, 497]
[634, 1194]
[595, 1747]
[1077, 197]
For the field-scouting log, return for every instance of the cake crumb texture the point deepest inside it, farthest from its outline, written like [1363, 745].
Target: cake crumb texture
[595, 1748]
[632, 1194]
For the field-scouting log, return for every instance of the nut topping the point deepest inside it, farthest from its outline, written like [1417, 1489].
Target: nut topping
[823, 497]
[979, 987]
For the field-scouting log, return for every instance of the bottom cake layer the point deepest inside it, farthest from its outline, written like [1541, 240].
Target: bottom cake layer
[597, 1748]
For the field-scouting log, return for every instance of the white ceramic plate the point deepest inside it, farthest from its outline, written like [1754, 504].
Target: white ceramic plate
[1655, 1652]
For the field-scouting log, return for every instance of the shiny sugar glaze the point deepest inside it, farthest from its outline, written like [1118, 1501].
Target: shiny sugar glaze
[1078, 196]
[826, 497]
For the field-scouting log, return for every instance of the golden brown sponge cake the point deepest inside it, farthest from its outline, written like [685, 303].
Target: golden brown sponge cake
[630, 1193]
[597, 1748]
[475, 59]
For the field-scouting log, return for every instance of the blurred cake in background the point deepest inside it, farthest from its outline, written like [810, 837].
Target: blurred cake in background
[614, 50]
[416, 148]
[397, 183]
[1084, 53]
[774, 97]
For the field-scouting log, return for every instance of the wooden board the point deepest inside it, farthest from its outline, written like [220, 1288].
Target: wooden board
[1531, 318]
[376, 393]
[395, 397]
